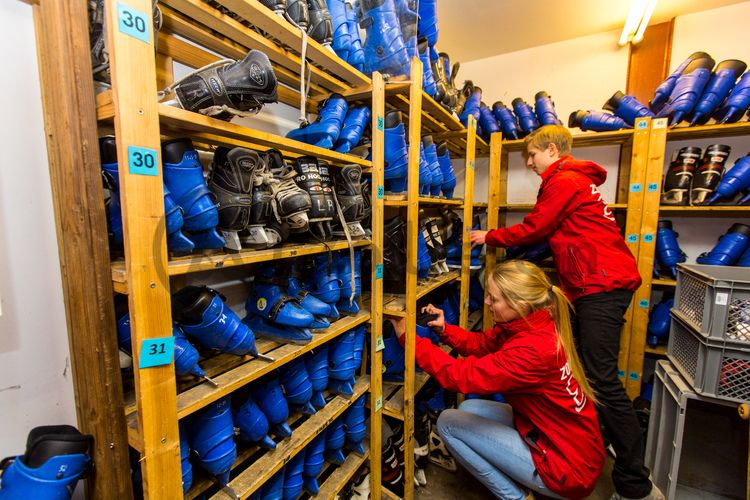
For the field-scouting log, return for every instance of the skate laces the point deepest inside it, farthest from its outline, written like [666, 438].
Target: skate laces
[349, 242]
[303, 85]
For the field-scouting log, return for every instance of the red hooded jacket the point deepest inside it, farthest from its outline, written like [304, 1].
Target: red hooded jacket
[590, 253]
[521, 360]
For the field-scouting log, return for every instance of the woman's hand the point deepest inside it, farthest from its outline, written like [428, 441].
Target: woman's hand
[399, 326]
[477, 238]
[438, 324]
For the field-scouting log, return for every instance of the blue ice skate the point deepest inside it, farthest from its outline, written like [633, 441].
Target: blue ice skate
[426, 331]
[325, 130]
[342, 40]
[428, 22]
[354, 126]
[428, 79]
[384, 46]
[668, 252]
[359, 344]
[597, 121]
[487, 121]
[729, 248]
[737, 103]
[436, 173]
[317, 371]
[354, 426]
[526, 117]
[722, 81]
[344, 271]
[314, 462]
[211, 436]
[297, 387]
[335, 438]
[284, 334]
[393, 355]
[735, 181]
[446, 168]
[687, 90]
[273, 489]
[396, 155]
[185, 465]
[326, 282]
[544, 109]
[471, 106]
[341, 364]
[270, 398]
[253, 424]
[664, 90]
[267, 300]
[627, 107]
[425, 173]
[658, 323]
[507, 120]
[293, 480]
[356, 55]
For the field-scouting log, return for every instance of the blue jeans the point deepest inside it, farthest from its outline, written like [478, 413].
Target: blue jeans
[481, 436]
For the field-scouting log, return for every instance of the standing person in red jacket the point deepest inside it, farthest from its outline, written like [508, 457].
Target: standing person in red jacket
[598, 274]
[547, 438]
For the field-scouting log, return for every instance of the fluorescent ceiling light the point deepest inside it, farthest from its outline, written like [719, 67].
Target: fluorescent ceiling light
[638, 18]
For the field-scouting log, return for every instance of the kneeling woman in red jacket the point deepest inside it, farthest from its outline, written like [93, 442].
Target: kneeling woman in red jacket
[547, 438]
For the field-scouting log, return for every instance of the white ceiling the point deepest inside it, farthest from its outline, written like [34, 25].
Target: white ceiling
[475, 29]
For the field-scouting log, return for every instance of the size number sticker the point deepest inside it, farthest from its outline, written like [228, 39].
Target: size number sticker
[379, 271]
[156, 352]
[620, 373]
[643, 304]
[648, 238]
[642, 124]
[142, 161]
[134, 23]
[634, 376]
[381, 192]
[379, 403]
[632, 238]
[636, 188]
[653, 187]
[471, 164]
[660, 123]
[721, 299]
[380, 123]
[379, 344]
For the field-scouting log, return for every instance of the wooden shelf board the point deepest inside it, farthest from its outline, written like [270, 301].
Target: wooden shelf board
[708, 131]
[707, 211]
[659, 350]
[399, 200]
[394, 304]
[194, 264]
[343, 474]
[253, 477]
[201, 395]
[386, 493]
[664, 282]
[394, 405]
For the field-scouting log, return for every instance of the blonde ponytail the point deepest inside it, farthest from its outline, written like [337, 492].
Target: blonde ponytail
[526, 288]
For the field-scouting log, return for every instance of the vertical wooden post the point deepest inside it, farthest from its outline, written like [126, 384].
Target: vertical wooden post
[412, 228]
[471, 142]
[376, 297]
[649, 221]
[136, 124]
[70, 126]
[496, 191]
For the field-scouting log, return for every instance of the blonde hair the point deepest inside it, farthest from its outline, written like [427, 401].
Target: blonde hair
[526, 289]
[558, 135]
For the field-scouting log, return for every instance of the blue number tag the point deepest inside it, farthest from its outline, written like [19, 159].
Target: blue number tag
[142, 161]
[632, 238]
[379, 271]
[635, 188]
[643, 124]
[634, 376]
[134, 23]
[379, 403]
[381, 192]
[621, 373]
[648, 238]
[156, 352]
[380, 123]
[471, 164]
[643, 304]
[653, 187]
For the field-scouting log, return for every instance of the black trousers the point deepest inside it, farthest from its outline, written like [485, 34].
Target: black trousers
[597, 326]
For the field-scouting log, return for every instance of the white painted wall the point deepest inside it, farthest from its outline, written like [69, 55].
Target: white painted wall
[35, 377]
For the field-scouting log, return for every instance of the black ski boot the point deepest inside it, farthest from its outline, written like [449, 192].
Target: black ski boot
[679, 177]
[349, 196]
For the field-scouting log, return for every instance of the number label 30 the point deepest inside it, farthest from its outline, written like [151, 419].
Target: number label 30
[134, 23]
[156, 352]
[142, 161]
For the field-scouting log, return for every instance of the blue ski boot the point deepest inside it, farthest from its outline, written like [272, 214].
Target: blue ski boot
[687, 90]
[270, 398]
[596, 121]
[384, 48]
[679, 177]
[737, 103]
[273, 489]
[211, 436]
[425, 173]
[341, 364]
[176, 241]
[407, 20]
[355, 123]
[297, 387]
[722, 81]
[267, 300]
[544, 108]
[317, 370]
[627, 107]
[744, 260]
[348, 302]
[668, 252]
[487, 121]
[185, 465]
[507, 120]
[436, 173]
[729, 248]
[708, 175]
[664, 90]
[325, 130]
[314, 462]
[424, 261]
[183, 176]
[472, 104]
[356, 54]
[396, 155]
[253, 424]
[446, 168]
[342, 40]
[428, 23]
[428, 80]
[316, 306]
[354, 426]
[735, 181]
[293, 481]
[658, 323]
[202, 314]
[335, 438]
[526, 117]
[279, 333]
[393, 355]
[56, 457]
[426, 331]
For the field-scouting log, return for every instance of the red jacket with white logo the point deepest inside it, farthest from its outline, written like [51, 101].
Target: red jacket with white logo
[590, 253]
[521, 360]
